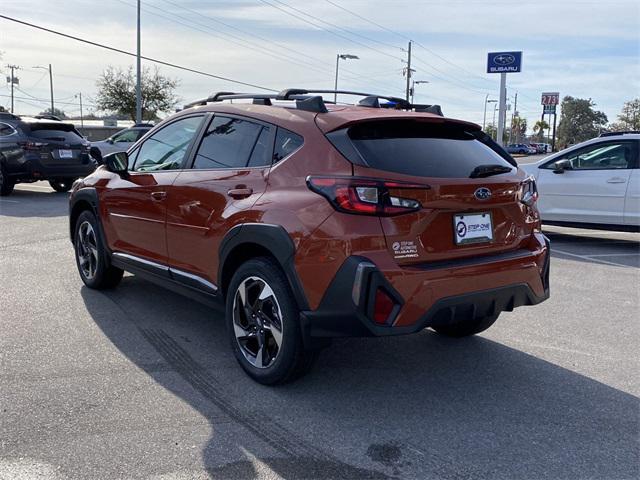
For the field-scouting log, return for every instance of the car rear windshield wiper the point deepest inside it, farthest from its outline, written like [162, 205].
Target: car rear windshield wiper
[482, 171]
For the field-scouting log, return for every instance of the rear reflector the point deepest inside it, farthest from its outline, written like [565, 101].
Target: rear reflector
[383, 307]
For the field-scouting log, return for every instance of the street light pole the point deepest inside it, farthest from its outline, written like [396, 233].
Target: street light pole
[495, 107]
[138, 73]
[50, 84]
[343, 56]
[484, 118]
[413, 87]
[81, 116]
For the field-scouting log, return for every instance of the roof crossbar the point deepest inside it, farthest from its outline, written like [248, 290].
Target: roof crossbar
[312, 101]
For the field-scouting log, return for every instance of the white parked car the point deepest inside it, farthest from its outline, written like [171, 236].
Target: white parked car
[595, 184]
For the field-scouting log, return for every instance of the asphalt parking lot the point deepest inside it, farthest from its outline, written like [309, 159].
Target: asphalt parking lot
[140, 383]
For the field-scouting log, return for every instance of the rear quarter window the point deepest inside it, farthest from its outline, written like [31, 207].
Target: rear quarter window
[56, 133]
[422, 149]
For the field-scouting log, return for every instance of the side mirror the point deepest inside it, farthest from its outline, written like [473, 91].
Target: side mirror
[117, 162]
[561, 165]
[109, 140]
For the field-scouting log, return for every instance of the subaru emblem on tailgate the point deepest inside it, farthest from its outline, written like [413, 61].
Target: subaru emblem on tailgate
[483, 193]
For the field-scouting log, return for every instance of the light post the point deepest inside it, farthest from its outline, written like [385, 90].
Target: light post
[495, 108]
[343, 56]
[413, 87]
[79, 95]
[484, 118]
[138, 74]
[50, 83]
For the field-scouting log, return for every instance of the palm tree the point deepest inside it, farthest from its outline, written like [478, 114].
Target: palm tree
[539, 128]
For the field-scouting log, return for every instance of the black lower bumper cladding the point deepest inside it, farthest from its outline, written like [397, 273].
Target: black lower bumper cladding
[340, 316]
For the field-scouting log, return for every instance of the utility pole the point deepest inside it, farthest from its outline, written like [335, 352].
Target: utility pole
[51, 87]
[553, 140]
[409, 70]
[138, 74]
[81, 116]
[513, 116]
[13, 80]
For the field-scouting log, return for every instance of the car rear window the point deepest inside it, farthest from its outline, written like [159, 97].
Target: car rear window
[55, 132]
[423, 149]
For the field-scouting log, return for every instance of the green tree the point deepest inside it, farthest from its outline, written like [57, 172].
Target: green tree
[56, 111]
[518, 129]
[491, 130]
[117, 92]
[579, 121]
[539, 129]
[629, 118]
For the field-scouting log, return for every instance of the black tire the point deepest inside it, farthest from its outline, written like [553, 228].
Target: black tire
[465, 329]
[6, 183]
[101, 275]
[62, 185]
[281, 363]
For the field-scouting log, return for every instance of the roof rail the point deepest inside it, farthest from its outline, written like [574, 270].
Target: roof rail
[47, 116]
[309, 100]
[624, 132]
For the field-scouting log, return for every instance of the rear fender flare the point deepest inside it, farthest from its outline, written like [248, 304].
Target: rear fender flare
[274, 239]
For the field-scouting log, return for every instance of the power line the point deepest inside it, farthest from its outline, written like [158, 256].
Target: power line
[325, 29]
[124, 52]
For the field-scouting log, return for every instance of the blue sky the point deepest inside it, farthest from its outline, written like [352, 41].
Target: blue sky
[584, 48]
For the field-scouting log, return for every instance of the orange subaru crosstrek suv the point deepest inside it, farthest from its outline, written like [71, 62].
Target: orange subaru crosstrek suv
[311, 220]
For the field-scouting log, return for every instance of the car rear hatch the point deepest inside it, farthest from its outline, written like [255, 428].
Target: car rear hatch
[59, 144]
[461, 192]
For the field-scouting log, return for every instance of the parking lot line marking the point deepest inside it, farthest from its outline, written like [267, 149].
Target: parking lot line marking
[35, 186]
[8, 201]
[588, 258]
[615, 254]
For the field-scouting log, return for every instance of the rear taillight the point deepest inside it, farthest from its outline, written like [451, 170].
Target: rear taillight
[365, 196]
[529, 192]
[31, 146]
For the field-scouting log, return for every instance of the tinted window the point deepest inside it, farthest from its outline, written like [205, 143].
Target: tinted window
[421, 149]
[51, 133]
[126, 136]
[165, 149]
[261, 154]
[228, 143]
[603, 156]
[286, 143]
[6, 130]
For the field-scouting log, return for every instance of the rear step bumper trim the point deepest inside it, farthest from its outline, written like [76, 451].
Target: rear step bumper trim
[466, 262]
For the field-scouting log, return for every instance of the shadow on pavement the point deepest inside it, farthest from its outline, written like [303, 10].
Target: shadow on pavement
[34, 203]
[417, 406]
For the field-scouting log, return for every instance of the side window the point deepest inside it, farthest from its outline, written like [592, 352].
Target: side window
[6, 130]
[286, 143]
[261, 154]
[126, 136]
[228, 143]
[165, 150]
[603, 156]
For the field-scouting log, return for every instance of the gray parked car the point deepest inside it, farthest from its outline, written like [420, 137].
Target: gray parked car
[120, 141]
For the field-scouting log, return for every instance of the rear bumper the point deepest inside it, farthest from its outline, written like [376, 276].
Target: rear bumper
[437, 295]
[32, 168]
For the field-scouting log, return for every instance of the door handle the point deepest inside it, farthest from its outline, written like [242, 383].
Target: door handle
[158, 196]
[240, 192]
[616, 180]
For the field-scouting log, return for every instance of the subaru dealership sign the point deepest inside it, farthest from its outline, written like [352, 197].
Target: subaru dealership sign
[504, 62]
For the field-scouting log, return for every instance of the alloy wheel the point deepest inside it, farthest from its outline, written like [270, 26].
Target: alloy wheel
[87, 250]
[257, 322]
